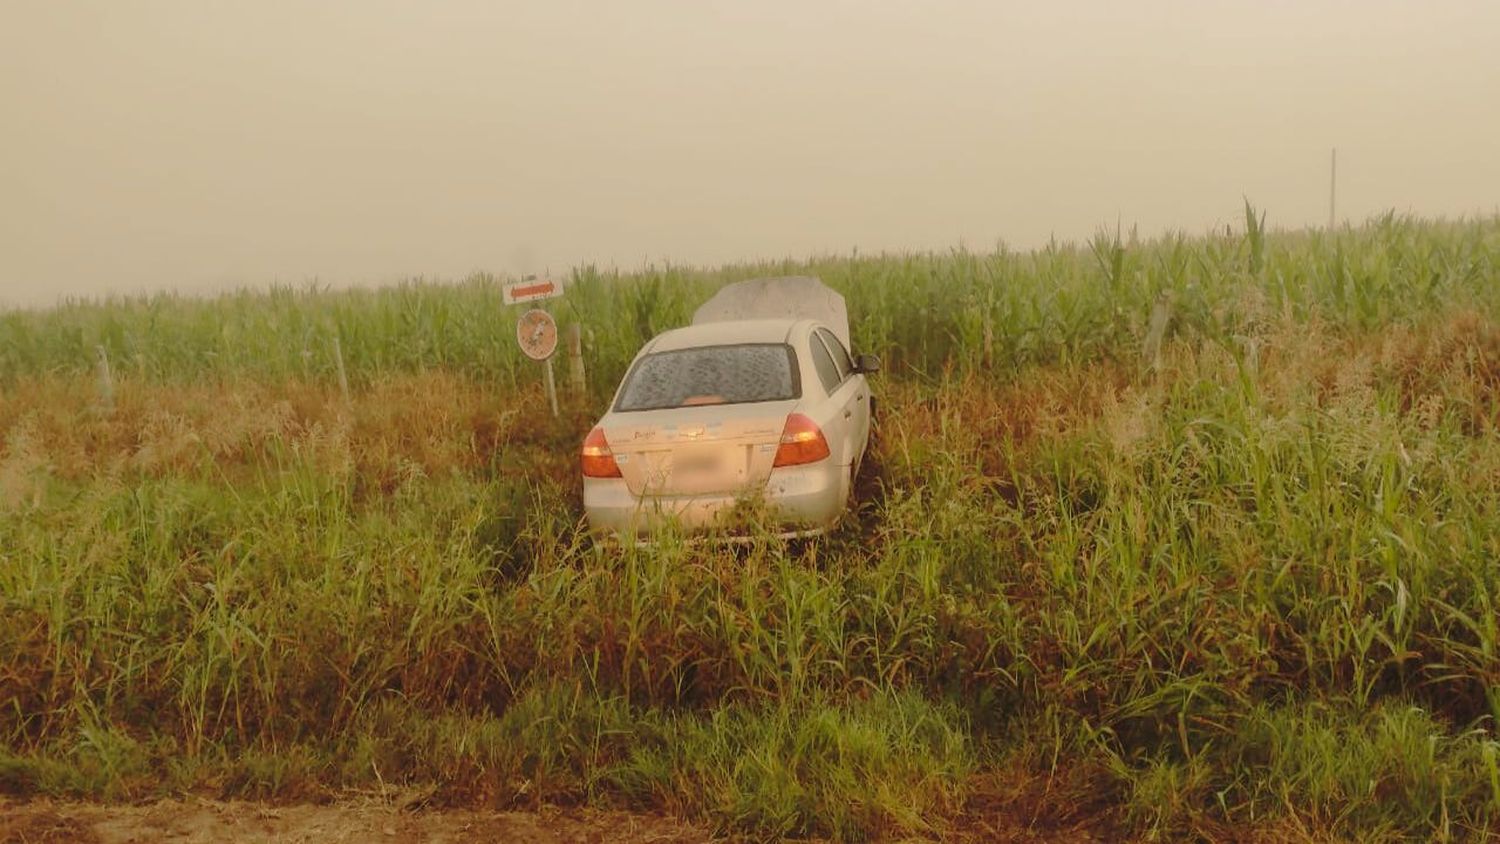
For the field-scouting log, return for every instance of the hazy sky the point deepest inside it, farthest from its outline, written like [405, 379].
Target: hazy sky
[198, 146]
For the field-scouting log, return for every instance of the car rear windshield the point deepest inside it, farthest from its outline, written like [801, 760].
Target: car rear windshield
[710, 375]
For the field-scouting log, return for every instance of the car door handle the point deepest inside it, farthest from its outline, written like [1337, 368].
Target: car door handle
[848, 413]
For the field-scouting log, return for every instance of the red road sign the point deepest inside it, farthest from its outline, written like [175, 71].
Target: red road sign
[530, 290]
[533, 290]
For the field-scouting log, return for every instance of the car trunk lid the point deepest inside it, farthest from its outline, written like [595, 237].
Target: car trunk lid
[710, 450]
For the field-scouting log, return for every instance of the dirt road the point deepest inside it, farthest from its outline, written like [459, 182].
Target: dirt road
[201, 820]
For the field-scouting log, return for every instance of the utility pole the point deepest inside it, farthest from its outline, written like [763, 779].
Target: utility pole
[1333, 186]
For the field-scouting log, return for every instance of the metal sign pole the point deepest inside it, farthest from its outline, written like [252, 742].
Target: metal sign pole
[536, 330]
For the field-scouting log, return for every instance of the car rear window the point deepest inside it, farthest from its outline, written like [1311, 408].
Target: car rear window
[710, 375]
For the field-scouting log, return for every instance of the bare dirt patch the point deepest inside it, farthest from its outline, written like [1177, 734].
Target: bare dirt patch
[203, 820]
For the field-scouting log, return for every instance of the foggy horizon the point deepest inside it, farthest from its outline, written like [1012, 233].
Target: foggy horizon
[168, 146]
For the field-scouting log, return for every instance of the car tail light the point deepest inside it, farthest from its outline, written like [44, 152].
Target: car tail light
[598, 460]
[802, 441]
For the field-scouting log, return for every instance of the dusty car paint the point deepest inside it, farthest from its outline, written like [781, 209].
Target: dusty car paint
[695, 465]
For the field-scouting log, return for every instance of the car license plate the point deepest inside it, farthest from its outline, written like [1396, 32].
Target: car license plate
[695, 464]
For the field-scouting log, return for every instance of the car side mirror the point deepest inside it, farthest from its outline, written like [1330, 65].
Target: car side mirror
[866, 364]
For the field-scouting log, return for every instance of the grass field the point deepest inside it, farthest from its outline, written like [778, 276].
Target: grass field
[1190, 536]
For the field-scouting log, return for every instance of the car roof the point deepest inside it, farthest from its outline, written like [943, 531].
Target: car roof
[786, 297]
[727, 333]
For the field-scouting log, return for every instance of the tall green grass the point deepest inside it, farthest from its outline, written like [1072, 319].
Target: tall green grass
[926, 312]
[1198, 534]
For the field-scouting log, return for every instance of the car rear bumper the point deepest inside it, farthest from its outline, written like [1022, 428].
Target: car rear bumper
[803, 500]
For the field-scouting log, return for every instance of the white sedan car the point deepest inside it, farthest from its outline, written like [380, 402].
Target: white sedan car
[758, 401]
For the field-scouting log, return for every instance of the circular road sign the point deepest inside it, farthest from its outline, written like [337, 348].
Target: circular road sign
[537, 333]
